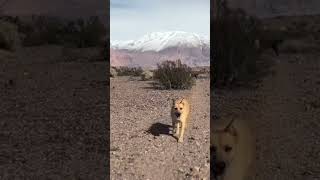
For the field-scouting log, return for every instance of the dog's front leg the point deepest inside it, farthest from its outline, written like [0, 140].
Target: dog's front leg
[183, 127]
[174, 128]
[177, 128]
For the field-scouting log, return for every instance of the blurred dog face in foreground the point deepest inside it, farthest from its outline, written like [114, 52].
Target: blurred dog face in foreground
[234, 151]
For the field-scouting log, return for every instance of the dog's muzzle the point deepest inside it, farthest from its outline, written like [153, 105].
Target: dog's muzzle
[177, 114]
[217, 167]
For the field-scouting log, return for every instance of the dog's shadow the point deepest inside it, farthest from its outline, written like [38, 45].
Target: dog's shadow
[158, 129]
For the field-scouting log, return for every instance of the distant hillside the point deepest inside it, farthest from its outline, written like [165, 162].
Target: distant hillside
[64, 8]
[270, 8]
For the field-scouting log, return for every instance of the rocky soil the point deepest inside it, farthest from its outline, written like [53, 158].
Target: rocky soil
[53, 121]
[141, 144]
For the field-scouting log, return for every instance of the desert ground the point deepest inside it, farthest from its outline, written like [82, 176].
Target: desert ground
[53, 116]
[284, 107]
[141, 145]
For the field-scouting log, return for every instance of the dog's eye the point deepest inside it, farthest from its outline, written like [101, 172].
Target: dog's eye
[180, 108]
[175, 108]
[227, 148]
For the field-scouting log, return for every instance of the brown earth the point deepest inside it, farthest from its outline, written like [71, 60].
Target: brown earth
[53, 121]
[141, 145]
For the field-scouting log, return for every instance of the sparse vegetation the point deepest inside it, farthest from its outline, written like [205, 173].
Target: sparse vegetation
[235, 55]
[113, 72]
[174, 75]
[104, 52]
[78, 33]
[9, 36]
[129, 71]
[146, 75]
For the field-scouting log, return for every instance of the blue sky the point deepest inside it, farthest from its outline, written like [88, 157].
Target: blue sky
[131, 19]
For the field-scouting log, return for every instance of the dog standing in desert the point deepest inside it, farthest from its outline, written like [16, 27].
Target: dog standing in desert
[233, 146]
[180, 112]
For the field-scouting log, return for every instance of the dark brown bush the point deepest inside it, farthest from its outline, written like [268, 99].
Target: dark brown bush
[174, 75]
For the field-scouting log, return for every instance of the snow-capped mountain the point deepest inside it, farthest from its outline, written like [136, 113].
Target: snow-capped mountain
[158, 41]
[153, 48]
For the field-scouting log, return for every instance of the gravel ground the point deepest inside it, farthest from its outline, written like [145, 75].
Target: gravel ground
[285, 110]
[141, 147]
[53, 120]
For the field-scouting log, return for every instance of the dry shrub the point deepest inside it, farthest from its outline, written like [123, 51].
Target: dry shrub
[235, 54]
[129, 71]
[9, 36]
[174, 75]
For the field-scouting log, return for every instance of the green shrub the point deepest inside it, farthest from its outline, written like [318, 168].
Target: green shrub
[9, 36]
[234, 52]
[129, 71]
[174, 75]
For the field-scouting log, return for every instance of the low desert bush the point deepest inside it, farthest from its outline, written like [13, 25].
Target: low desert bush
[129, 71]
[146, 75]
[80, 33]
[113, 72]
[9, 36]
[235, 54]
[174, 75]
[104, 53]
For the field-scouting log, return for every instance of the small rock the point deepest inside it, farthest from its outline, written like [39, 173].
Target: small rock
[197, 143]
[196, 169]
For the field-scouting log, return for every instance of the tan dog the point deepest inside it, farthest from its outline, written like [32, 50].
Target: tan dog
[234, 148]
[180, 115]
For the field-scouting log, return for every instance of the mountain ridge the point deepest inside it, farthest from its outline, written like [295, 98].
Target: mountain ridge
[156, 47]
[158, 41]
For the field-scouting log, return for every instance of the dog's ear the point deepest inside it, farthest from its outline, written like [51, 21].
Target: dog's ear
[230, 129]
[182, 102]
[173, 101]
[229, 124]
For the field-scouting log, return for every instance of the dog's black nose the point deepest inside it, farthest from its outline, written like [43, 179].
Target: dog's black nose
[177, 114]
[219, 168]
